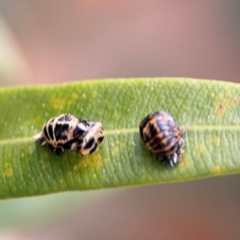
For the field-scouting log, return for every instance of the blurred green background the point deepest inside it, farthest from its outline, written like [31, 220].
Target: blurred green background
[44, 42]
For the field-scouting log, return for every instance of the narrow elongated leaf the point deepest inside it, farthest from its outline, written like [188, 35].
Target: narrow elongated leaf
[210, 108]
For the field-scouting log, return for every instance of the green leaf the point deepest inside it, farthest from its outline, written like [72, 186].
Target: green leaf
[210, 108]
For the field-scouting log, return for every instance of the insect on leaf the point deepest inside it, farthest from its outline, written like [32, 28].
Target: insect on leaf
[210, 109]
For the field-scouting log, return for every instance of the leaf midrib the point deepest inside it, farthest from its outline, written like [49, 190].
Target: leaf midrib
[130, 130]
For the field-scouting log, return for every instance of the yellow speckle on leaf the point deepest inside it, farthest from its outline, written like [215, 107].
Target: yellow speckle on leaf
[8, 172]
[74, 96]
[97, 163]
[184, 161]
[81, 164]
[217, 169]
[221, 107]
[105, 160]
[236, 99]
[58, 104]
[97, 160]
[201, 148]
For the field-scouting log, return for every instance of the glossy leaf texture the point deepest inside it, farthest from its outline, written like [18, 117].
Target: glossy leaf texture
[210, 109]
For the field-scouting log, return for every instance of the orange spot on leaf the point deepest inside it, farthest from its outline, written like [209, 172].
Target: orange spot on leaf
[221, 107]
[8, 172]
[58, 104]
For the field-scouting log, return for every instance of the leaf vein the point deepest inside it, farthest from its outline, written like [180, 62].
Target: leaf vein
[132, 130]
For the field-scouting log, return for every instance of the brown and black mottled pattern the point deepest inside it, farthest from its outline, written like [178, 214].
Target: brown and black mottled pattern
[162, 137]
[93, 139]
[68, 132]
[59, 130]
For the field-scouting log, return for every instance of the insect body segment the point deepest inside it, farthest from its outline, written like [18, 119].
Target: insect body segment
[68, 132]
[91, 140]
[162, 137]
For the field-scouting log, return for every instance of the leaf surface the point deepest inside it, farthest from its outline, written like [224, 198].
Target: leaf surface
[210, 109]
